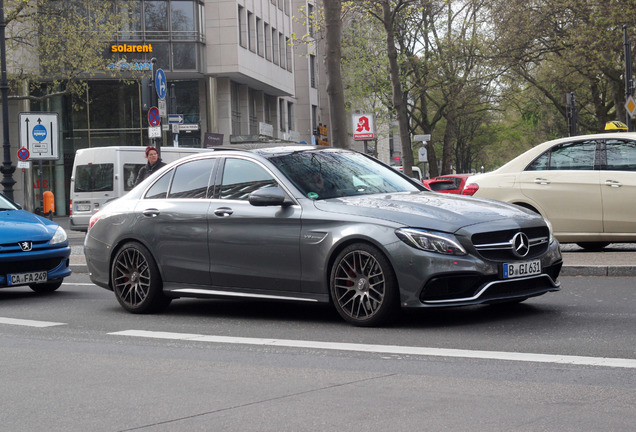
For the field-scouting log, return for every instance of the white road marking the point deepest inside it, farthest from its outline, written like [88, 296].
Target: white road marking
[29, 323]
[392, 349]
[78, 284]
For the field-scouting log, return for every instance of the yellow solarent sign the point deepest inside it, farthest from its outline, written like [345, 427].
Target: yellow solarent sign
[125, 48]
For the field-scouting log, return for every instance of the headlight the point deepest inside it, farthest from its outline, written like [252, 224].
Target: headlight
[59, 236]
[431, 241]
[551, 239]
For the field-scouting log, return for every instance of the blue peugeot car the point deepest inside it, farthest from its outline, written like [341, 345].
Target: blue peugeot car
[34, 251]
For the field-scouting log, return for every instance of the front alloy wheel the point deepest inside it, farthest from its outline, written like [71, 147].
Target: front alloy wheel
[363, 286]
[136, 280]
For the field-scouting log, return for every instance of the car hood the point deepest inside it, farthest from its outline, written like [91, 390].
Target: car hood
[442, 212]
[20, 225]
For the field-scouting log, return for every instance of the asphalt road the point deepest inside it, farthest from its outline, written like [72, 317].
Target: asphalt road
[75, 361]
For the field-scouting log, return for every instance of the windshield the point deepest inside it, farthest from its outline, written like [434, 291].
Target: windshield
[94, 178]
[6, 204]
[336, 173]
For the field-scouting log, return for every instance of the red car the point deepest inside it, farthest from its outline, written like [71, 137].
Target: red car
[453, 184]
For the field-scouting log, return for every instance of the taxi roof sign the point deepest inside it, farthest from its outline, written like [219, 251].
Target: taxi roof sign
[615, 126]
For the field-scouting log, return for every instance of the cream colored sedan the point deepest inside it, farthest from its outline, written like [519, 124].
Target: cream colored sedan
[584, 185]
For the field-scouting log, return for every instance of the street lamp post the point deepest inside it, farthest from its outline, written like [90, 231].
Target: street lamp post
[7, 167]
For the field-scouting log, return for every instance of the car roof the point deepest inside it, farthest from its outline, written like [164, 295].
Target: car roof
[520, 162]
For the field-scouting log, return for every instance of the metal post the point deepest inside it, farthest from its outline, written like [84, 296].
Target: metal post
[7, 167]
[628, 75]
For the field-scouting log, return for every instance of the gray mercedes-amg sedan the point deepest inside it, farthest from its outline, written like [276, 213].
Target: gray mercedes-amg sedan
[314, 224]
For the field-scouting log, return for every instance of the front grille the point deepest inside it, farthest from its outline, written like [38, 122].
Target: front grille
[497, 245]
[47, 264]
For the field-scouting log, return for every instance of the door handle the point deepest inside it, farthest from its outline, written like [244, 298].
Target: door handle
[223, 211]
[151, 212]
[542, 181]
[613, 183]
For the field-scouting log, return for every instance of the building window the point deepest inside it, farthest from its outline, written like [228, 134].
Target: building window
[156, 18]
[310, 19]
[236, 109]
[182, 19]
[288, 51]
[314, 118]
[251, 44]
[268, 42]
[312, 70]
[281, 48]
[259, 37]
[281, 114]
[252, 108]
[242, 27]
[275, 53]
[290, 116]
[184, 56]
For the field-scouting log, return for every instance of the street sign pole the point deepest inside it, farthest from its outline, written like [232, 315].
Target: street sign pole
[153, 99]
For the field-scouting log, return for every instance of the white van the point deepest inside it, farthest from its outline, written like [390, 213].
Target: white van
[101, 174]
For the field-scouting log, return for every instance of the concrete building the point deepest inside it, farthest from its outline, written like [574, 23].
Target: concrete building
[232, 70]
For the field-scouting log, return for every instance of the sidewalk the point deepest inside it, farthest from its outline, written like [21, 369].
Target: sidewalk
[615, 260]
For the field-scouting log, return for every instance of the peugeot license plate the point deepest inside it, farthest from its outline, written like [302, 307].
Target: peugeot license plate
[520, 269]
[83, 207]
[26, 278]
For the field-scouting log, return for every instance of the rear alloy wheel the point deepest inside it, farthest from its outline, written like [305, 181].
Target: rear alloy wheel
[45, 287]
[593, 246]
[136, 280]
[363, 286]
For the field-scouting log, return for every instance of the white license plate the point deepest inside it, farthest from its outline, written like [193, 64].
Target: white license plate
[520, 269]
[83, 207]
[26, 278]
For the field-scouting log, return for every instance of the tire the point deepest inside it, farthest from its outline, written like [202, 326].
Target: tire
[593, 246]
[136, 280]
[363, 286]
[46, 287]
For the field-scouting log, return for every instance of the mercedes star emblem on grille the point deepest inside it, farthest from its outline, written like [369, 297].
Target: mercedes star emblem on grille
[520, 245]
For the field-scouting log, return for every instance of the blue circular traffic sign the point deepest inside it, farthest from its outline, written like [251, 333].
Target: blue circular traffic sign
[161, 85]
[39, 133]
[153, 116]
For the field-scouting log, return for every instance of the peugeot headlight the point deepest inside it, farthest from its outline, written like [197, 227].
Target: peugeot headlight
[59, 236]
[431, 241]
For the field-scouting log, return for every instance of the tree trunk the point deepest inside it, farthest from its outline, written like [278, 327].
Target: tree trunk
[337, 127]
[398, 103]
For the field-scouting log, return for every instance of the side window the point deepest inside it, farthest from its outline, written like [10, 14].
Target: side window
[160, 188]
[191, 180]
[541, 163]
[130, 175]
[568, 156]
[577, 156]
[242, 177]
[621, 155]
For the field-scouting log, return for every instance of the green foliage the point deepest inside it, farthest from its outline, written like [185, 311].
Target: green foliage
[69, 38]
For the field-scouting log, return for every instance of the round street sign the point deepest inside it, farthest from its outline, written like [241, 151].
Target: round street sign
[161, 85]
[23, 154]
[153, 116]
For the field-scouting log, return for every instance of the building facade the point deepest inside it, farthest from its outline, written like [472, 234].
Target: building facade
[234, 73]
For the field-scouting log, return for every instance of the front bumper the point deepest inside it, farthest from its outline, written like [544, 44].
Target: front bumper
[54, 261]
[434, 280]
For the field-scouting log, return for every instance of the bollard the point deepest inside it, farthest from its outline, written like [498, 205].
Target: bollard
[49, 204]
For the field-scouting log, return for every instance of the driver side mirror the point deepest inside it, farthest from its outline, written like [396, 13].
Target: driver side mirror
[271, 196]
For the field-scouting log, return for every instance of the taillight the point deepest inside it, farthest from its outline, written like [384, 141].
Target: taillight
[70, 208]
[470, 189]
[93, 219]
